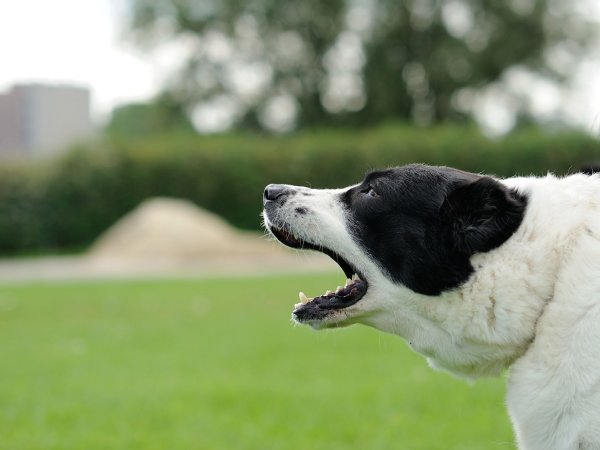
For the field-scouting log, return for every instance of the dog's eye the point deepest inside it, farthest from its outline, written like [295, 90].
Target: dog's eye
[370, 192]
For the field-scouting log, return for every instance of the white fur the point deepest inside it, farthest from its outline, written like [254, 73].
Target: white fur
[533, 304]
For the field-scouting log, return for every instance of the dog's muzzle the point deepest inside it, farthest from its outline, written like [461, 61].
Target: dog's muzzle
[310, 309]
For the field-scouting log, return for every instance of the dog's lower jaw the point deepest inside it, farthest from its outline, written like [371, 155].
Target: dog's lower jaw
[323, 324]
[337, 318]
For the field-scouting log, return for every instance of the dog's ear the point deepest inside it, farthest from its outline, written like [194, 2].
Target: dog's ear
[482, 214]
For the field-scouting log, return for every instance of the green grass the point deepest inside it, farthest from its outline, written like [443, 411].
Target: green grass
[216, 364]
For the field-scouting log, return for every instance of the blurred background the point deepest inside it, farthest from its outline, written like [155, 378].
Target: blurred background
[141, 305]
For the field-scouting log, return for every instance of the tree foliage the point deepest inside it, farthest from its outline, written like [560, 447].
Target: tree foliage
[278, 63]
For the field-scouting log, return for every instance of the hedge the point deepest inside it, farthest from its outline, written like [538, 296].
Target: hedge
[67, 203]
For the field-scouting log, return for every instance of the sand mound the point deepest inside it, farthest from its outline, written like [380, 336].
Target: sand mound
[177, 229]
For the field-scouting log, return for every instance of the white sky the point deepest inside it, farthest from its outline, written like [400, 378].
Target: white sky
[78, 41]
[72, 41]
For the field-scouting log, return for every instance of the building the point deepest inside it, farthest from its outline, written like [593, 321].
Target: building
[40, 120]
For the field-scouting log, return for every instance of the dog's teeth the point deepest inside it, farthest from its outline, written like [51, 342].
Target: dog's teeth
[328, 293]
[354, 277]
[348, 282]
[303, 298]
[338, 289]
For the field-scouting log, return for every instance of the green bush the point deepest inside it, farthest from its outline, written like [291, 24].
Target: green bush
[69, 202]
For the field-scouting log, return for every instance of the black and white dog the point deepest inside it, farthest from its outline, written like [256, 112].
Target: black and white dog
[476, 273]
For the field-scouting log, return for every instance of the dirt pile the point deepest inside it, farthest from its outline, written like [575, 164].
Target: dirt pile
[177, 229]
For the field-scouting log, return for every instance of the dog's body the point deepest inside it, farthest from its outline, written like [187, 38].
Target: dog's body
[477, 274]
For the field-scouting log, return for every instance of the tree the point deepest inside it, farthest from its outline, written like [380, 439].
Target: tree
[280, 63]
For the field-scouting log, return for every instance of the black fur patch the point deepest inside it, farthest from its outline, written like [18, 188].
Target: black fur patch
[422, 223]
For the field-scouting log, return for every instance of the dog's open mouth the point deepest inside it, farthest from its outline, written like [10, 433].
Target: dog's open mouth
[317, 308]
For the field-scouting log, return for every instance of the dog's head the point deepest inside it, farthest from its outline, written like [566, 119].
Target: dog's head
[413, 227]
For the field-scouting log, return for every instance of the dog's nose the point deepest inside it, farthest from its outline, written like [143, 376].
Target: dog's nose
[273, 192]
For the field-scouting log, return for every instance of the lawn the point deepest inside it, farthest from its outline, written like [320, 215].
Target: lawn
[217, 364]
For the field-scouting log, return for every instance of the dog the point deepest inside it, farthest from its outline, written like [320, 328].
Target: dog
[476, 273]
